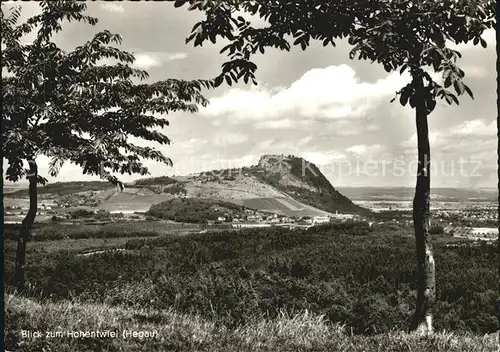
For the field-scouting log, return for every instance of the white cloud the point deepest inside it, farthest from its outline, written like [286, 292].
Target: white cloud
[323, 158]
[217, 161]
[145, 61]
[362, 149]
[229, 138]
[273, 146]
[475, 128]
[112, 7]
[275, 124]
[281, 124]
[190, 142]
[151, 59]
[357, 149]
[333, 92]
[241, 162]
[435, 139]
[469, 136]
[372, 128]
[304, 141]
[176, 56]
[475, 71]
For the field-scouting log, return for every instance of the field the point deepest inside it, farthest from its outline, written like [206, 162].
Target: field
[280, 205]
[242, 187]
[124, 229]
[130, 202]
[231, 290]
[407, 193]
[184, 332]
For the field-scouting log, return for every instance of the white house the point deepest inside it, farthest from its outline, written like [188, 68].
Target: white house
[484, 231]
[321, 220]
[254, 218]
[247, 225]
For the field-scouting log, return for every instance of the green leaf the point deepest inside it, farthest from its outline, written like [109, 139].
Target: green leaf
[459, 87]
[233, 76]
[439, 39]
[352, 54]
[447, 82]
[413, 102]
[41, 180]
[225, 48]
[218, 81]
[198, 41]
[179, 3]
[450, 98]
[480, 9]
[431, 105]
[195, 6]
[405, 95]
[483, 42]
[469, 91]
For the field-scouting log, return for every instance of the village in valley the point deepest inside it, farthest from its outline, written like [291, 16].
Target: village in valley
[473, 220]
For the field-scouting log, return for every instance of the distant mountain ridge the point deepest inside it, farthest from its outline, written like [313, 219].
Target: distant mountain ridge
[303, 181]
[286, 185]
[407, 193]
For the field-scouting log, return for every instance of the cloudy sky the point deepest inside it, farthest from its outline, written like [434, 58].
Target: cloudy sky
[317, 104]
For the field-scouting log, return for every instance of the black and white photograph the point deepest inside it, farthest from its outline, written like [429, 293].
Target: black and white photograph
[250, 175]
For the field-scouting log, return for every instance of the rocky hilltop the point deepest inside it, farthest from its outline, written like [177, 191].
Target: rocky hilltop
[278, 183]
[303, 181]
[286, 185]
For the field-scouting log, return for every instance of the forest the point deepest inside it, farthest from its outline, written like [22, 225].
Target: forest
[352, 274]
[101, 103]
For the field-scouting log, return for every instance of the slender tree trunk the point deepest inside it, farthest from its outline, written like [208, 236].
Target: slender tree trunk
[498, 159]
[426, 281]
[2, 319]
[26, 226]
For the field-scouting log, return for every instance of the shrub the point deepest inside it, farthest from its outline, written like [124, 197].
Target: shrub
[352, 274]
[102, 215]
[81, 213]
[437, 230]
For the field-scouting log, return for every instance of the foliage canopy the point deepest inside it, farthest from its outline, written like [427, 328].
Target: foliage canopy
[81, 106]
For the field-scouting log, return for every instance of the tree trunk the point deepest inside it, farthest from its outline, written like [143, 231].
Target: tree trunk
[498, 155]
[2, 306]
[26, 226]
[426, 281]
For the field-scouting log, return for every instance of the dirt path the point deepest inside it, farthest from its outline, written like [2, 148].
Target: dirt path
[100, 251]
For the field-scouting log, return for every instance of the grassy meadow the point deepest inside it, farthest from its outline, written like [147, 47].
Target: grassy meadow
[343, 287]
